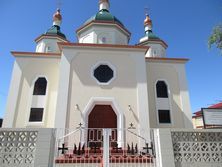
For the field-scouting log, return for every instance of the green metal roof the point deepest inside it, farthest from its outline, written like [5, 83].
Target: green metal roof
[104, 15]
[55, 30]
[151, 35]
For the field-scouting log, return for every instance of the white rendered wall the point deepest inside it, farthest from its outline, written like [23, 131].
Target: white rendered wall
[63, 91]
[48, 45]
[198, 122]
[13, 96]
[125, 89]
[33, 68]
[178, 95]
[184, 95]
[95, 33]
[156, 50]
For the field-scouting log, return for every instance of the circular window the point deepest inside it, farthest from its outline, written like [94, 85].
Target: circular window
[103, 73]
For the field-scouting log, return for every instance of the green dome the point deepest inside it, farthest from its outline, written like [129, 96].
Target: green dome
[55, 30]
[104, 15]
[151, 35]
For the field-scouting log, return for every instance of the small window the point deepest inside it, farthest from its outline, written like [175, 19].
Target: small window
[161, 89]
[103, 39]
[48, 49]
[164, 116]
[36, 115]
[40, 87]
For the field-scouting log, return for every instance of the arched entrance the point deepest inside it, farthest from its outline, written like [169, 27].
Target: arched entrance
[101, 116]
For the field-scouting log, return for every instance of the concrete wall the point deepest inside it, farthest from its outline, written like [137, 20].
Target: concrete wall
[188, 148]
[27, 147]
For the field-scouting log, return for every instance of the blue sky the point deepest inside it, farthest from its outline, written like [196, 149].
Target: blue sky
[184, 25]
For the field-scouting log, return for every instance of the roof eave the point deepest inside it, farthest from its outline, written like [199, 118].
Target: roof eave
[167, 60]
[105, 23]
[50, 36]
[164, 44]
[102, 46]
[35, 54]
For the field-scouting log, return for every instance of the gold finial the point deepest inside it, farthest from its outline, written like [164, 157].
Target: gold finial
[57, 16]
[101, 1]
[147, 20]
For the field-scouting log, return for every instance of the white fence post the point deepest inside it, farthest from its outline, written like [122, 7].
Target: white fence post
[106, 138]
[45, 148]
[164, 148]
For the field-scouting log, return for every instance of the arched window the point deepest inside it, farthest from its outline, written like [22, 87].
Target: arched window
[40, 86]
[161, 89]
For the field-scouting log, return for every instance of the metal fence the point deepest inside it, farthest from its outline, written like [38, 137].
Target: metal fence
[103, 148]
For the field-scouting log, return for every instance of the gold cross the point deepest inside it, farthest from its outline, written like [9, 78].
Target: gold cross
[59, 4]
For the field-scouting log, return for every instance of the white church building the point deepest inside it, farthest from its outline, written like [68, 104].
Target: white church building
[102, 82]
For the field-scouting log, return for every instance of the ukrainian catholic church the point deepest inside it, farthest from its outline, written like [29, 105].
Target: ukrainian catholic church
[100, 81]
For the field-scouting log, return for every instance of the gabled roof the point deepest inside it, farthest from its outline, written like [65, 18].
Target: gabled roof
[218, 105]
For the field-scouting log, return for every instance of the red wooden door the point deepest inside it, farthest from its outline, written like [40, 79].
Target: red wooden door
[102, 116]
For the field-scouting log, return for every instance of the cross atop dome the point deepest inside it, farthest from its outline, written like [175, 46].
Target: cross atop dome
[104, 5]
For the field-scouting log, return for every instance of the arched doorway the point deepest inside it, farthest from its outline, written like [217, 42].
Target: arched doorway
[101, 116]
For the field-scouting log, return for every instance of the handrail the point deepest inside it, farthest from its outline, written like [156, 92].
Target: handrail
[137, 135]
[69, 134]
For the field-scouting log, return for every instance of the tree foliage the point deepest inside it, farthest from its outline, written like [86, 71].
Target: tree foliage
[216, 38]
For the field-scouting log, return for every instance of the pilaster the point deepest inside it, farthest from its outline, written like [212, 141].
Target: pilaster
[11, 106]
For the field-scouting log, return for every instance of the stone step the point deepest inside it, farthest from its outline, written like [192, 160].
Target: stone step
[98, 159]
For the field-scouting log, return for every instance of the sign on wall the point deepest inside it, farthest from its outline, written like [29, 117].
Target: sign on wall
[212, 116]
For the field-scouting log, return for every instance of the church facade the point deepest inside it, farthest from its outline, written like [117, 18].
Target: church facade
[99, 82]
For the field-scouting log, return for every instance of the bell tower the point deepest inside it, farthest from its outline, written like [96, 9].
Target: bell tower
[47, 42]
[157, 46]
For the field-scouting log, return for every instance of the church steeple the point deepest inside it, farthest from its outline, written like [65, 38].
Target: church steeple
[47, 42]
[157, 46]
[104, 5]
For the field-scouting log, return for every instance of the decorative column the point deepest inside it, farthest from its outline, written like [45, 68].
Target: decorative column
[63, 92]
[142, 97]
